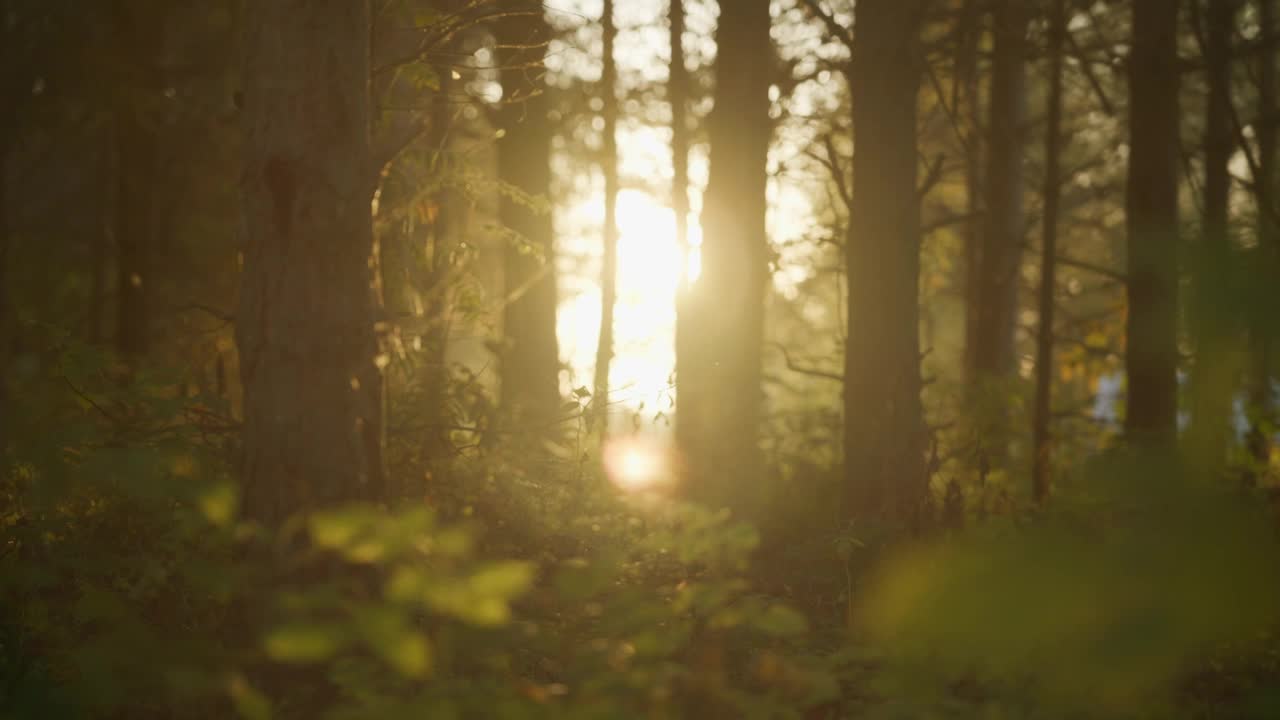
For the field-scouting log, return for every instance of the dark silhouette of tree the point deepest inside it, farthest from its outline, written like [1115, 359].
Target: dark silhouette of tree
[1042, 441]
[884, 431]
[609, 266]
[678, 98]
[1151, 347]
[720, 392]
[530, 354]
[140, 27]
[1214, 375]
[1004, 227]
[1260, 408]
[309, 300]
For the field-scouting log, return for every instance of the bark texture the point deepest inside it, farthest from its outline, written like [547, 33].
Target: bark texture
[310, 301]
[1151, 203]
[720, 394]
[884, 425]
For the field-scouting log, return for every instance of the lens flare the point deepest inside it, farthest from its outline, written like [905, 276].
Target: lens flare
[635, 464]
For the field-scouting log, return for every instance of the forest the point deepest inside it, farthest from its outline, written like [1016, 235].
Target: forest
[609, 359]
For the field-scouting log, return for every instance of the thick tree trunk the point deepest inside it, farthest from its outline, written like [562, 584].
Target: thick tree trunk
[1216, 371]
[1151, 355]
[884, 425]
[1000, 254]
[135, 215]
[1261, 410]
[720, 394]
[530, 356]
[609, 266]
[6, 338]
[1042, 441]
[309, 301]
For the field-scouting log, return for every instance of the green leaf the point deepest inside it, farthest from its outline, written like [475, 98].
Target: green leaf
[504, 579]
[304, 642]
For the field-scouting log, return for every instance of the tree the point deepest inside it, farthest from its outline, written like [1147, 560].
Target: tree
[1214, 375]
[609, 267]
[309, 300]
[1151, 204]
[1042, 458]
[999, 257]
[530, 355]
[885, 474]
[678, 97]
[1261, 410]
[141, 28]
[719, 391]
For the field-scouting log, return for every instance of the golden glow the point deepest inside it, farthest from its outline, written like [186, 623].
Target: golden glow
[649, 264]
[635, 464]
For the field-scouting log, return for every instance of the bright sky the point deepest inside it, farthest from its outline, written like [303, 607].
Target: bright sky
[648, 258]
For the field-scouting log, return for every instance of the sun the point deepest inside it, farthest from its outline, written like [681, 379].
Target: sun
[649, 271]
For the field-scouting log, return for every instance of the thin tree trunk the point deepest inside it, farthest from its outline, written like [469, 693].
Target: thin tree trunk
[1214, 376]
[530, 357]
[1261, 410]
[309, 302]
[609, 266]
[678, 96]
[1151, 357]
[885, 474]
[969, 108]
[721, 375]
[1042, 464]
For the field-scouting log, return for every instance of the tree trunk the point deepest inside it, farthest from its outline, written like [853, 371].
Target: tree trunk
[1042, 462]
[1261, 410]
[884, 428]
[1000, 254]
[1151, 353]
[6, 338]
[530, 355]
[309, 301]
[678, 96]
[609, 266]
[720, 394]
[969, 109]
[135, 215]
[1214, 376]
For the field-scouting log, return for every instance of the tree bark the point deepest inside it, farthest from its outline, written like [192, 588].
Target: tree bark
[310, 300]
[720, 394]
[1151, 357]
[530, 354]
[885, 474]
[609, 265]
[1214, 376]
[1000, 254]
[137, 177]
[1261, 410]
[135, 217]
[1042, 440]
